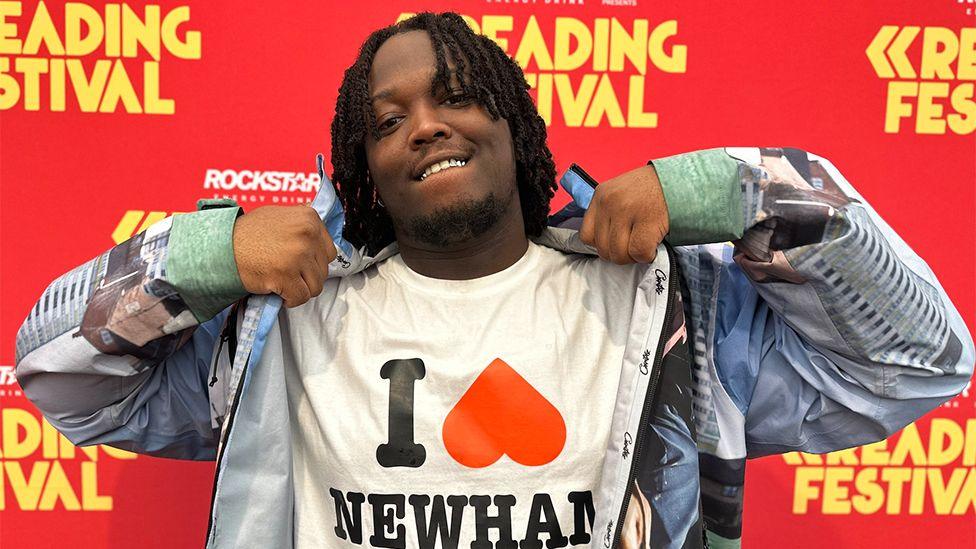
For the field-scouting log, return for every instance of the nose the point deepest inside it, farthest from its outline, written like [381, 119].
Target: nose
[428, 126]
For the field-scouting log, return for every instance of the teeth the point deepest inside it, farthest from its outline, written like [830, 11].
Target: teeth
[442, 165]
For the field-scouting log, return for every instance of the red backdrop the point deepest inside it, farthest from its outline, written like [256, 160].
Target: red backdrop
[102, 135]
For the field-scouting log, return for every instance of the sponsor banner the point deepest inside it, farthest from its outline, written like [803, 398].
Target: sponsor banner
[115, 116]
[932, 86]
[261, 187]
[44, 471]
[904, 475]
[104, 58]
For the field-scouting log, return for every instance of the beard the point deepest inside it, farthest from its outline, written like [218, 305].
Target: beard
[458, 223]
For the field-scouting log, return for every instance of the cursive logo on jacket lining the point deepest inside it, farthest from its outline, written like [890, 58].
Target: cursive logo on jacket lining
[628, 440]
[645, 359]
[661, 278]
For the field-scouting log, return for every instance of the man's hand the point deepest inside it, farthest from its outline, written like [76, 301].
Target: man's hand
[627, 217]
[283, 250]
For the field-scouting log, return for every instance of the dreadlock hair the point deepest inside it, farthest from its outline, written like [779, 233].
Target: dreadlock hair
[487, 75]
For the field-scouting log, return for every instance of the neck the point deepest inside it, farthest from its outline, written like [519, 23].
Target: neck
[495, 250]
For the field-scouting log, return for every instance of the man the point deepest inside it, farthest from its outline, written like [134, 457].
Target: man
[454, 370]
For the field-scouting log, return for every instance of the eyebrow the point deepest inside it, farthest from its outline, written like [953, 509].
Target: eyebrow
[389, 92]
[384, 94]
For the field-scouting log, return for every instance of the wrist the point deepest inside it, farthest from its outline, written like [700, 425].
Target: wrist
[201, 264]
[703, 196]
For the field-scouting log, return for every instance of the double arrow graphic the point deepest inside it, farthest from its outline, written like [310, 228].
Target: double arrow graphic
[130, 224]
[891, 43]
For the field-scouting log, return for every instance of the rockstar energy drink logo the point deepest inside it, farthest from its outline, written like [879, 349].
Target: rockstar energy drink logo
[590, 72]
[908, 475]
[931, 73]
[40, 470]
[43, 59]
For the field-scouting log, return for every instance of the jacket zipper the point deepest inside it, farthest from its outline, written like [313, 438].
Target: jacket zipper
[231, 332]
[228, 336]
[650, 398]
[213, 369]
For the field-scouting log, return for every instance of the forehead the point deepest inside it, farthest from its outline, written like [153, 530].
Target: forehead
[404, 60]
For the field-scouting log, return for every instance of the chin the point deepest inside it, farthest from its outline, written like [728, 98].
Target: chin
[457, 222]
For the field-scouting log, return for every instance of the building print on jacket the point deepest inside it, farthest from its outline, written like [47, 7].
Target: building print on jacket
[500, 414]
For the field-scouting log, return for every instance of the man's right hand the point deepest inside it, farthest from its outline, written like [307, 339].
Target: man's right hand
[283, 250]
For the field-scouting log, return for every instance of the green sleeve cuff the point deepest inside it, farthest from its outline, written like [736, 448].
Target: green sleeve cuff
[201, 265]
[704, 197]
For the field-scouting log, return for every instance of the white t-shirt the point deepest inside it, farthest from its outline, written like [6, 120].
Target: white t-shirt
[478, 409]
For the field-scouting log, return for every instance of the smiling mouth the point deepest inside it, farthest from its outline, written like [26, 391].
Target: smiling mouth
[442, 166]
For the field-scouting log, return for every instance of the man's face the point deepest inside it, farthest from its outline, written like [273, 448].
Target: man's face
[419, 129]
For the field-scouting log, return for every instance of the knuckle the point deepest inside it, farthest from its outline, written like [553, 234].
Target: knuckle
[286, 278]
[297, 297]
[308, 224]
[268, 285]
[641, 253]
[307, 254]
[281, 271]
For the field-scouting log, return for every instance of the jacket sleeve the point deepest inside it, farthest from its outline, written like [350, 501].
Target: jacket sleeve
[118, 351]
[818, 328]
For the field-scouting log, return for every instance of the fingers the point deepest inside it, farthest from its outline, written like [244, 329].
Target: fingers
[330, 249]
[314, 280]
[602, 238]
[610, 236]
[627, 218]
[312, 269]
[313, 272]
[596, 229]
[295, 293]
[644, 239]
[587, 232]
[328, 246]
[620, 241]
[325, 251]
[320, 263]
[284, 250]
[307, 283]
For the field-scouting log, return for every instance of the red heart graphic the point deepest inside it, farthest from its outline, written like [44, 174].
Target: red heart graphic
[501, 413]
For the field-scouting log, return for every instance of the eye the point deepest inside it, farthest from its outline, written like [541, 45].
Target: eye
[458, 98]
[388, 123]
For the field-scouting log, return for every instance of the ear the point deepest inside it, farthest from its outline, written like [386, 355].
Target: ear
[329, 208]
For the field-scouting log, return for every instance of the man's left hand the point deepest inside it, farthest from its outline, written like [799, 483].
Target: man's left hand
[627, 217]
